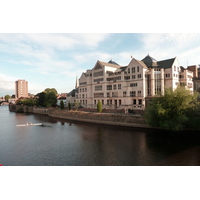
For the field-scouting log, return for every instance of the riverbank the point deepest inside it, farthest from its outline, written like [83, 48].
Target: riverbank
[89, 117]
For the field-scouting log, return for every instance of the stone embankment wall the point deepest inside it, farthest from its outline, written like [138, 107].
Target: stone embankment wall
[101, 118]
[90, 117]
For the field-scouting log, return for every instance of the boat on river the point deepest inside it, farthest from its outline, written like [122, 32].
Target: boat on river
[30, 124]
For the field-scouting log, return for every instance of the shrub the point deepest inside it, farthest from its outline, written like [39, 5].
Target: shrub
[62, 105]
[69, 106]
[173, 111]
[99, 106]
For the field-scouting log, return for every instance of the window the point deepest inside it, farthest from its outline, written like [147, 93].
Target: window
[124, 94]
[134, 101]
[119, 86]
[97, 95]
[114, 94]
[140, 101]
[128, 70]
[127, 77]
[167, 75]
[96, 74]
[138, 68]
[139, 93]
[85, 89]
[83, 96]
[99, 87]
[114, 87]
[132, 94]
[109, 87]
[139, 76]
[95, 101]
[133, 85]
[108, 94]
[133, 76]
[174, 68]
[102, 102]
[133, 70]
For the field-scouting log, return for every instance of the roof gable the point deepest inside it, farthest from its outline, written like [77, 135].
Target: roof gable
[166, 63]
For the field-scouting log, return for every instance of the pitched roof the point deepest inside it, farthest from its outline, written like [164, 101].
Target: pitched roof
[149, 61]
[72, 93]
[142, 63]
[113, 62]
[166, 63]
[109, 64]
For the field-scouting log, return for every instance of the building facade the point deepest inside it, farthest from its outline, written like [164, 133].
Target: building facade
[21, 88]
[128, 87]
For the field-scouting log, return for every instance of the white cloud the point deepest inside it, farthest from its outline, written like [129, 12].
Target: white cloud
[7, 84]
[169, 45]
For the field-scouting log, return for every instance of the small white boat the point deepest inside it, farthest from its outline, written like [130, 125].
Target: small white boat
[30, 124]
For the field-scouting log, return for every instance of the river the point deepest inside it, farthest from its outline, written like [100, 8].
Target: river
[65, 143]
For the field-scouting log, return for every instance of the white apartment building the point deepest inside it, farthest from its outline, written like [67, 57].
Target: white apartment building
[127, 87]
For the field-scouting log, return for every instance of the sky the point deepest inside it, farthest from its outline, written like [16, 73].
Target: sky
[53, 60]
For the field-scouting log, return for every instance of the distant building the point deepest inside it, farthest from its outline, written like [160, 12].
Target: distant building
[21, 88]
[131, 86]
[196, 76]
[61, 98]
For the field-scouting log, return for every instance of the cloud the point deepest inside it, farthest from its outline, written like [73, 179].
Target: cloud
[169, 45]
[7, 84]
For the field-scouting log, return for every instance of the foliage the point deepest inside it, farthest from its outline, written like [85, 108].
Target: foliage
[62, 105]
[7, 97]
[26, 102]
[40, 98]
[99, 106]
[50, 99]
[174, 110]
[77, 104]
[49, 90]
[47, 98]
[69, 106]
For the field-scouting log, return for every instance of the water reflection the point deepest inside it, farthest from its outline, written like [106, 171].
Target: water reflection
[61, 142]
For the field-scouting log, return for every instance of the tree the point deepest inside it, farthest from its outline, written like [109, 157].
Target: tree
[7, 97]
[47, 98]
[173, 110]
[48, 90]
[50, 99]
[40, 98]
[69, 106]
[62, 105]
[99, 106]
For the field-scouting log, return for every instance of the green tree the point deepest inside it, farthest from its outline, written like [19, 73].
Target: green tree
[77, 104]
[173, 110]
[40, 98]
[47, 98]
[7, 97]
[69, 106]
[49, 90]
[99, 106]
[50, 99]
[62, 105]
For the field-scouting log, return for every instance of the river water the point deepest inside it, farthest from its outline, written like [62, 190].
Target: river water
[65, 143]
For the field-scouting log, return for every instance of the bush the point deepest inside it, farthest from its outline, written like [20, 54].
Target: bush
[99, 106]
[62, 105]
[69, 106]
[173, 111]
